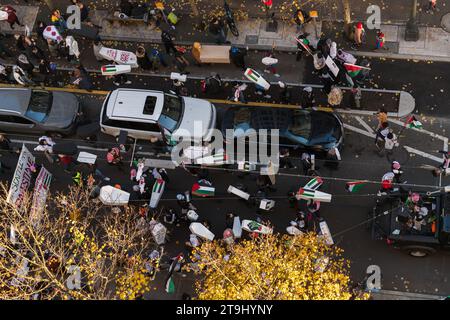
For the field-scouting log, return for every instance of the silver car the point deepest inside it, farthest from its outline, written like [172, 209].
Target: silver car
[27, 110]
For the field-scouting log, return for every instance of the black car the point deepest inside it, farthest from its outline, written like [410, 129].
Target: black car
[393, 220]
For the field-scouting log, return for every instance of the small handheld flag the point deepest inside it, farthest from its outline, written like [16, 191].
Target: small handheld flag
[354, 186]
[353, 70]
[412, 122]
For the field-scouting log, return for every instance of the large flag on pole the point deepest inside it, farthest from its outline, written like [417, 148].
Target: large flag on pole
[304, 43]
[353, 70]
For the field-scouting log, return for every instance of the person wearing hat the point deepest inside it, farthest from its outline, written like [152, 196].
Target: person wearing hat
[380, 39]
[396, 170]
[358, 35]
[285, 94]
[300, 18]
[307, 98]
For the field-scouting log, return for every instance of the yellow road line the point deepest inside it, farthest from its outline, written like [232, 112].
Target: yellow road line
[218, 101]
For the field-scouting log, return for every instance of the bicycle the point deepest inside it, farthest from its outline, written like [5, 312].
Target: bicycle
[229, 17]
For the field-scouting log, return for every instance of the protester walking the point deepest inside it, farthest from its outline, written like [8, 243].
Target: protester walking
[74, 52]
[96, 47]
[12, 17]
[380, 40]
[167, 40]
[142, 58]
[358, 37]
[217, 29]
[301, 46]
[239, 93]
[300, 18]
[307, 98]
[432, 7]
[270, 64]
[237, 56]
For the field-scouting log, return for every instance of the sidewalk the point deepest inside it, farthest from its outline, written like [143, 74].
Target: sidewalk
[433, 44]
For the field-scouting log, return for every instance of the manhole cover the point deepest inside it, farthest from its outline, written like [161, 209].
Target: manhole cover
[251, 39]
[445, 22]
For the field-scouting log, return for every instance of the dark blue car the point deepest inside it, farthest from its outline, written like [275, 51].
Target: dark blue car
[299, 128]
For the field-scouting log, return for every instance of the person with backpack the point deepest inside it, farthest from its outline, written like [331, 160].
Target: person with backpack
[238, 57]
[217, 29]
[300, 18]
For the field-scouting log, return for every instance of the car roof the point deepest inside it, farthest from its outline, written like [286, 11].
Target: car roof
[14, 100]
[129, 103]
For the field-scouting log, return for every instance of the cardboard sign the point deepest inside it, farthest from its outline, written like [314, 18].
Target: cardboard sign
[157, 191]
[86, 157]
[255, 77]
[113, 196]
[159, 233]
[325, 231]
[41, 189]
[119, 56]
[200, 230]
[113, 69]
[332, 66]
[239, 193]
[253, 226]
[22, 178]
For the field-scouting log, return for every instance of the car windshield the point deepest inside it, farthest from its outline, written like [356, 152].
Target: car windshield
[40, 105]
[171, 112]
[301, 124]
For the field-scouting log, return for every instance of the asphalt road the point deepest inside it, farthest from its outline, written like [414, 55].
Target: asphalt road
[345, 215]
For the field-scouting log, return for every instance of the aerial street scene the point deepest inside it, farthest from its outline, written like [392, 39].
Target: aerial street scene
[239, 154]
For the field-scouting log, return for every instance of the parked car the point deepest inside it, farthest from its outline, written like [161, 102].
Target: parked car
[27, 110]
[298, 128]
[147, 113]
[391, 220]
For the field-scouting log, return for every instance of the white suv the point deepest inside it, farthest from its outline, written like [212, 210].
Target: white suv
[146, 113]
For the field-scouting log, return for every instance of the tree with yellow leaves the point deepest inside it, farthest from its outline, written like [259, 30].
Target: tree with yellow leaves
[76, 248]
[272, 267]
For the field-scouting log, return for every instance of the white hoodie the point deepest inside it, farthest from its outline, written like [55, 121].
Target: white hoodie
[72, 44]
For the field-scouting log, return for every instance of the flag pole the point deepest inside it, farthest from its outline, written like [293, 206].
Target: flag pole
[355, 65]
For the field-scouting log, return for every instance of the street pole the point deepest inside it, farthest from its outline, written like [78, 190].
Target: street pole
[412, 30]
[347, 19]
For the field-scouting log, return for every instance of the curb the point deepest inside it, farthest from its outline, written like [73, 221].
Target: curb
[405, 107]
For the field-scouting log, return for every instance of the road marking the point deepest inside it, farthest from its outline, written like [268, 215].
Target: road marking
[364, 124]
[358, 130]
[434, 135]
[423, 154]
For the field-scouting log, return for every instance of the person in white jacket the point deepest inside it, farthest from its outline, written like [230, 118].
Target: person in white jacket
[20, 76]
[74, 51]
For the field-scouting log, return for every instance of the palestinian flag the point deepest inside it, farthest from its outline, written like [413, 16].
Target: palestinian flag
[314, 184]
[354, 186]
[202, 191]
[252, 75]
[109, 69]
[158, 186]
[352, 69]
[306, 193]
[170, 286]
[412, 122]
